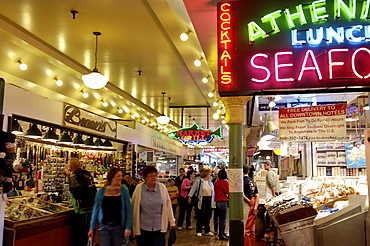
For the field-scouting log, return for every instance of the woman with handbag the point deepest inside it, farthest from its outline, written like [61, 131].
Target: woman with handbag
[203, 191]
[152, 210]
[112, 209]
[185, 207]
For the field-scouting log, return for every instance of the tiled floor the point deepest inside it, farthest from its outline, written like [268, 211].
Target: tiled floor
[189, 238]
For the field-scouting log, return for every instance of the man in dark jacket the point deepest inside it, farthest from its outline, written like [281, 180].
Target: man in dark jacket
[83, 190]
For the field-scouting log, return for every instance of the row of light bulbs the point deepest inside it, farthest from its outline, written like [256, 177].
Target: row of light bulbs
[198, 62]
[120, 110]
[65, 138]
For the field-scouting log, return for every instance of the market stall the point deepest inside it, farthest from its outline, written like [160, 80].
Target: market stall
[312, 213]
[31, 221]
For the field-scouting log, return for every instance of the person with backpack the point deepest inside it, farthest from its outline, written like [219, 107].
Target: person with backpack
[83, 190]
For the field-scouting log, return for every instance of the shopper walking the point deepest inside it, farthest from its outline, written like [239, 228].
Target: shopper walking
[112, 209]
[272, 181]
[180, 178]
[185, 207]
[173, 192]
[83, 190]
[203, 191]
[251, 199]
[152, 211]
[221, 199]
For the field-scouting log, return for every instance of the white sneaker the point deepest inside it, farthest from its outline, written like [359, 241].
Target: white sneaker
[210, 234]
[190, 228]
[179, 228]
[199, 234]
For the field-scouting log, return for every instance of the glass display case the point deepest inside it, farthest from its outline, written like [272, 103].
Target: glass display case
[26, 207]
[32, 221]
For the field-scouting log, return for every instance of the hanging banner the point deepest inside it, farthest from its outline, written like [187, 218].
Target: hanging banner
[316, 123]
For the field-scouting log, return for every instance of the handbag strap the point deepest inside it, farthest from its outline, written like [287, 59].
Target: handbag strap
[200, 182]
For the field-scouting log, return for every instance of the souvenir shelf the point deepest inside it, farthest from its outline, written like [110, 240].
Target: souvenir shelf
[53, 178]
[331, 160]
[124, 162]
[31, 221]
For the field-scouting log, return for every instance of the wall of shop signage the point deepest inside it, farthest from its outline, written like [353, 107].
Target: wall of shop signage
[293, 45]
[28, 104]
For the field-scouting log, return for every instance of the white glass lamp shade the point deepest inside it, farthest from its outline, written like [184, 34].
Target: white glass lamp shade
[197, 63]
[95, 80]
[163, 119]
[184, 36]
[23, 66]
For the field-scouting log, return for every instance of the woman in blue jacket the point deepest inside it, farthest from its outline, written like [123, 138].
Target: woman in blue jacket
[112, 209]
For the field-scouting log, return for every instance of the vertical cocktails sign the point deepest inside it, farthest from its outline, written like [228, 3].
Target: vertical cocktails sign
[226, 44]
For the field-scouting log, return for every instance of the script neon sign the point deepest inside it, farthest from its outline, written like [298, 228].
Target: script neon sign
[195, 134]
[226, 44]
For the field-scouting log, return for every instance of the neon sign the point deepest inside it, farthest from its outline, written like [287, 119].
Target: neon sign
[226, 44]
[304, 46]
[195, 134]
[317, 11]
[341, 64]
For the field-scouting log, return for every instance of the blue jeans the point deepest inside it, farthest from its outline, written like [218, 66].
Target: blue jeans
[222, 211]
[110, 235]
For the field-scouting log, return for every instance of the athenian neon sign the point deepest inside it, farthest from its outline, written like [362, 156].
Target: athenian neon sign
[195, 134]
[317, 44]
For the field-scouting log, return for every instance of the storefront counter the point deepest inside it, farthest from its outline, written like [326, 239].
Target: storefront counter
[34, 222]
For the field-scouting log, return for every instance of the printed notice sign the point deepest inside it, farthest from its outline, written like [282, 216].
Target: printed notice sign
[316, 123]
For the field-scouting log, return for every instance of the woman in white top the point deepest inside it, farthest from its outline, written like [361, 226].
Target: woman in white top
[203, 191]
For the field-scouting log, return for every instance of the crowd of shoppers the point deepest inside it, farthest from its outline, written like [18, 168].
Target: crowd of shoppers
[151, 211]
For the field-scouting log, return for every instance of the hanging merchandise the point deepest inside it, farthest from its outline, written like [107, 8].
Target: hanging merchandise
[7, 153]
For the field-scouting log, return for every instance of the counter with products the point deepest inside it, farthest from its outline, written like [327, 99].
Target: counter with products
[315, 211]
[31, 221]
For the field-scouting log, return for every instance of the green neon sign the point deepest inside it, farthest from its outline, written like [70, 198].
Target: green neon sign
[318, 11]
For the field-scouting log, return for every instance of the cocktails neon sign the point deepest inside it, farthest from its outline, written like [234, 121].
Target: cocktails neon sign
[226, 44]
[333, 54]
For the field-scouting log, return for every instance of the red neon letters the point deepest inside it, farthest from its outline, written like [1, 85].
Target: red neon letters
[225, 44]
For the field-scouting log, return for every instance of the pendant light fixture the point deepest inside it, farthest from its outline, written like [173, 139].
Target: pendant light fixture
[98, 143]
[89, 141]
[16, 127]
[50, 135]
[163, 119]
[107, 144]
[77, 140]
[65, 138]
[95, 80]
[33, 132]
